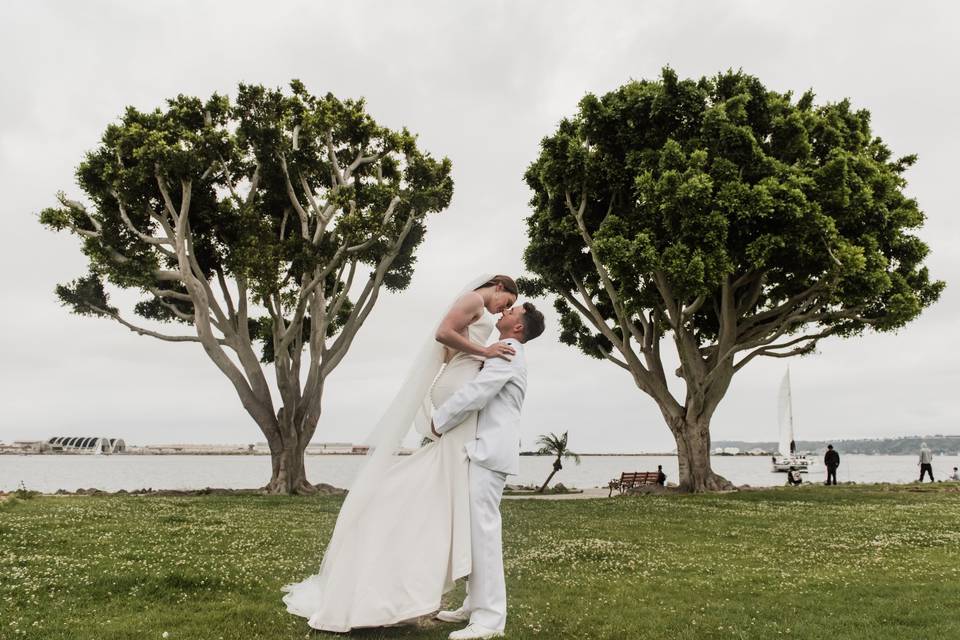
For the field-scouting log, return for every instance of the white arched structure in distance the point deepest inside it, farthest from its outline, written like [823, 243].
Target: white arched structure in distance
[88, 444]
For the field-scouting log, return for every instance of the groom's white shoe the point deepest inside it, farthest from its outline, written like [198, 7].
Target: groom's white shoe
[475, 632]
[460, 615]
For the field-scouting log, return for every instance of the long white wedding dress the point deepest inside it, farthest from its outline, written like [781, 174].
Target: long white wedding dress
[394, 555]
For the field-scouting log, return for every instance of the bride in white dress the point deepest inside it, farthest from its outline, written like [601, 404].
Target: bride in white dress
[402, 537]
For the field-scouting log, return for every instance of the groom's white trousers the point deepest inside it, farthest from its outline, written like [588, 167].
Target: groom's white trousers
[486, 588]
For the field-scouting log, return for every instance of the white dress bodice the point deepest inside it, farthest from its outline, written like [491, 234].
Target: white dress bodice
[480, 330]
[479, 333]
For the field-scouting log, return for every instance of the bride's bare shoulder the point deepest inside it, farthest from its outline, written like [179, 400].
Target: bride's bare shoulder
[466, 310]
[470, 300]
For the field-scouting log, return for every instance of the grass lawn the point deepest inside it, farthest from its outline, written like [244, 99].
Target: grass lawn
[815, 562]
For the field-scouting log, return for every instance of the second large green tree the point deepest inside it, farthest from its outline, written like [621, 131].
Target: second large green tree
[737, 220]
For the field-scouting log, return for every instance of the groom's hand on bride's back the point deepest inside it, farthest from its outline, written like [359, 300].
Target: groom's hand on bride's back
[499, 350]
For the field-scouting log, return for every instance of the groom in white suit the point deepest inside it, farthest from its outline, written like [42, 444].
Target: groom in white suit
[497, 392]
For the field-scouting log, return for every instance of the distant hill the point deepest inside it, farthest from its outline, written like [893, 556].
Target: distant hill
[907, 445]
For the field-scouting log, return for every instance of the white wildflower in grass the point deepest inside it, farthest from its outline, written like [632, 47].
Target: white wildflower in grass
[747, 565]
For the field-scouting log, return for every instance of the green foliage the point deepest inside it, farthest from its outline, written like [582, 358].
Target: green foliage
[85, 296]
[553, 445]
[242, 227]
[23, 493]
[707, 181]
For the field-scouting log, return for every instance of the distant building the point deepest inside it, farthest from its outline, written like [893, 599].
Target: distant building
[86, 444]
[25, 446]
[193, 449]
[330, 447]
[337, 448]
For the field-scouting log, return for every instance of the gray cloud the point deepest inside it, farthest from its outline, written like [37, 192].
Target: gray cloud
[480, 82]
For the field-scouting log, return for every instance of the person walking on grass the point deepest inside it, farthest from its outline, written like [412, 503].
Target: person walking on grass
[832, 461]
[926, 461]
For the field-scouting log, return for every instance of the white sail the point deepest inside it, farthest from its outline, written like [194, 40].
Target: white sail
[785, 415]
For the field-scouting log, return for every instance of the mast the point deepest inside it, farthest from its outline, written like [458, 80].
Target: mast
[787, 444]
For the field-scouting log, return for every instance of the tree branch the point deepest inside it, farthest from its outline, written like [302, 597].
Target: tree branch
[167, 200]
[623, 318]
[752, 295]
[770, 350]
[364, 304]
[612, 358]
[672, 311]
[167, 275]
[221, 319]
[168, 293]
[186, 317]
[226, 293]
[387, 216]
[693, 307]
[292, 195]
[342, 296]
[593, 313]
[283, 222]
[140, 330]
[149, 239]
[687, 348]
[361, 160]
[790, 303]
[254, 185]
[76, 206]
[334, 164]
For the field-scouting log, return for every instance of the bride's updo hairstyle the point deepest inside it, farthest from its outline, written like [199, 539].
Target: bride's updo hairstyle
[506, 281]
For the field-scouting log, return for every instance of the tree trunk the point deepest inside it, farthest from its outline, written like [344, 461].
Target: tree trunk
[693, 454]
[289, 476]
[556, 467]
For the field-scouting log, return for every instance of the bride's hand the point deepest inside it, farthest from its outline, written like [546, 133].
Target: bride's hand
[499, 350]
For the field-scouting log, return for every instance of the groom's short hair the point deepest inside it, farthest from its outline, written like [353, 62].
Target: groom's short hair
[532, 322]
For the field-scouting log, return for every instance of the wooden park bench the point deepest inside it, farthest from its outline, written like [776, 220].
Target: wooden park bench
[629, 480]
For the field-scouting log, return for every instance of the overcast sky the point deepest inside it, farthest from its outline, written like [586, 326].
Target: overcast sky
[481, 83]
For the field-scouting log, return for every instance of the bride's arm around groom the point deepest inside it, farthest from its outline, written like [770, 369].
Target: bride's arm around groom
[476, 394]
[497, 392]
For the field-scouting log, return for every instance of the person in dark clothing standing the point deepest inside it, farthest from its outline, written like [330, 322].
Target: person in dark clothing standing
[926, 461]
[661, 476]
[832, 461]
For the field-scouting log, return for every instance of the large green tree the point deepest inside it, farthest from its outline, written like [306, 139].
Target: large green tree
[740, 221]
[275, 219]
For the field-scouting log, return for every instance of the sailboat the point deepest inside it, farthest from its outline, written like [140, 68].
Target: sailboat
[787, 457]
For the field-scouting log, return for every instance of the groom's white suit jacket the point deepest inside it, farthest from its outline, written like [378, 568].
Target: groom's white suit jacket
[497, 393]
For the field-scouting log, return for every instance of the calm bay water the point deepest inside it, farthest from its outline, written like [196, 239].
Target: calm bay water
[47, 473]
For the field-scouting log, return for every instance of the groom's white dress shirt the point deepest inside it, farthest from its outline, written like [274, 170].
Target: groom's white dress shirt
[498, 390]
